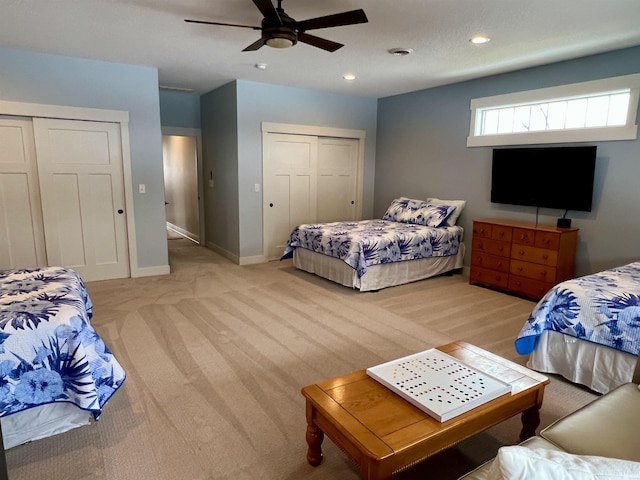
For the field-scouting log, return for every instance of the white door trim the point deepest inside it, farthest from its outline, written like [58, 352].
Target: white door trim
[96, 115]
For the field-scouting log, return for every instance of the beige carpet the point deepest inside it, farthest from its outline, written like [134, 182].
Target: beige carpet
[216, 355]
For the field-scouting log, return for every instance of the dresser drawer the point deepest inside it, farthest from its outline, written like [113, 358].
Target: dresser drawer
[548, 240]
[492, 262]
[529, 287]
[482, 230]
[502, 233]
[544, 273]
[534, 254]
[524, 236]
[493, 247]
[488, 277]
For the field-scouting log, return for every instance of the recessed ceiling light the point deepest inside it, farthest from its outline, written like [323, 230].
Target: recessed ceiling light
[400, 52]
[349, 76]
[479, 39]
[261, 66]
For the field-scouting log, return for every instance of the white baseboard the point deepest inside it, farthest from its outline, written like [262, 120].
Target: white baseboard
[235, 258]
[150, 271]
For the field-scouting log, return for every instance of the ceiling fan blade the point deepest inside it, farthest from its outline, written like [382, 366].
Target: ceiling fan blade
[224, 24]
[335, 20]
[267, 9]
[322, 43]
[254, 46]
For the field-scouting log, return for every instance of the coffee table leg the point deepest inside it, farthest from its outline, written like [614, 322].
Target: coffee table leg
[530, 421]
[314, 440]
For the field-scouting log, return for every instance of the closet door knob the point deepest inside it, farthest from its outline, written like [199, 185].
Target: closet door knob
[120, 211]
[271, 204]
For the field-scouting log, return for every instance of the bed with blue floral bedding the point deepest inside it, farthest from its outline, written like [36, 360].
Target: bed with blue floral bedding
[598, 311]
[409, 230]
[49, 352]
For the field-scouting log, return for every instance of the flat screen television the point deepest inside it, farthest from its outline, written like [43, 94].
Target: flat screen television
[547, 177]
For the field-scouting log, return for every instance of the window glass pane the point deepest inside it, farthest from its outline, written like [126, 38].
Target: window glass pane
[618, 109]
[490, 123]
[505, 123]
[521, 119]
[538, 118]
[576, 111]
[557, 115]
[597, 111]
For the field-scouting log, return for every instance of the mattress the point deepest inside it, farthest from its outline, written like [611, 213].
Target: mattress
[377, 276]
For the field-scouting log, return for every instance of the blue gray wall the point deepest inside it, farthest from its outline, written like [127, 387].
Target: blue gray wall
[179, 109]
[220, 164]
[257, 103]
[422, 152]
[50, 79]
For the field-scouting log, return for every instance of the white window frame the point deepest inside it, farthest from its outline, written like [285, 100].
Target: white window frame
[624, 132]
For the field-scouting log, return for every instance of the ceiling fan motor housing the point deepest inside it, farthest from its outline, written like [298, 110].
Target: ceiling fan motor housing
[279, 32]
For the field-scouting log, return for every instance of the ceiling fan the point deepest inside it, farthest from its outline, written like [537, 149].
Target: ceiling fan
[279, 30]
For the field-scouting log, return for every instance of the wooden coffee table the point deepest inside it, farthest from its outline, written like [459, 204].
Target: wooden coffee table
[384, 434]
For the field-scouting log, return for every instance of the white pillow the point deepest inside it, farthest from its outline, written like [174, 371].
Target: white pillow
[522, 463]
[453, 217]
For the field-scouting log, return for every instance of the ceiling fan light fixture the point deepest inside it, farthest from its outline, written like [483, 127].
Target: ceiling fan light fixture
[278, 42]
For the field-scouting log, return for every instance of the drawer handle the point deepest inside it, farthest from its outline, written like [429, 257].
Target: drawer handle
[521, 253]
[519, 269]
[545, 257]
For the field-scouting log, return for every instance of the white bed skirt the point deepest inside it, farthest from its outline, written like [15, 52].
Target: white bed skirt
[41, 422]
[376, 276]
[598, 367]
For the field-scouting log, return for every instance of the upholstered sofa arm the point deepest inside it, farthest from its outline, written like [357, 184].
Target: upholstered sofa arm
[607, 427]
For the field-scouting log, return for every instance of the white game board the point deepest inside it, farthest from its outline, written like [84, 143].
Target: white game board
[438, 384]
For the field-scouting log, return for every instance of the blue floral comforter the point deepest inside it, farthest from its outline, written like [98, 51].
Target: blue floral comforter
[49, 351]
[372, 242]
[602, 308]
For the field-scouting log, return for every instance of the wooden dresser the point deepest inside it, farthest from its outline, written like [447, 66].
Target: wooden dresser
[521, 257]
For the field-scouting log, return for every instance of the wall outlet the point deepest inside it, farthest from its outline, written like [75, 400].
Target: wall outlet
[256, 187]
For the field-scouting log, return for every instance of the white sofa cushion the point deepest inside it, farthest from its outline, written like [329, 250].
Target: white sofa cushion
[522, 463]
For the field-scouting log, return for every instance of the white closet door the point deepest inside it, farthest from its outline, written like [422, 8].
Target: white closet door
[289, 187]
[337, 177]
[21, 235]
[82, 190]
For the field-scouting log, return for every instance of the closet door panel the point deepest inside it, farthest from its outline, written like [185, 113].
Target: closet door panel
[289, 187]
[82, 189]
[21, 232]
[337, 178]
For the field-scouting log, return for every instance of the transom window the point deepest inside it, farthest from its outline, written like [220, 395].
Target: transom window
[590, 111]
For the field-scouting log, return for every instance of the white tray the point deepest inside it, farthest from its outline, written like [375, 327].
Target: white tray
[438, 384]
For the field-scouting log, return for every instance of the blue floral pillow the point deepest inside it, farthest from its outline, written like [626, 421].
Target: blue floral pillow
[419, 212]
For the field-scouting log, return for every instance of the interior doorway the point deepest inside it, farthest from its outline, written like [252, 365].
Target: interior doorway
[181, 165]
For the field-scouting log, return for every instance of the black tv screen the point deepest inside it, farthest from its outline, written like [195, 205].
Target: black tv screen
[548, 177]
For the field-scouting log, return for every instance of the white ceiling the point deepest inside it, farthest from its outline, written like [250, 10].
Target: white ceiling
[200, 58]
